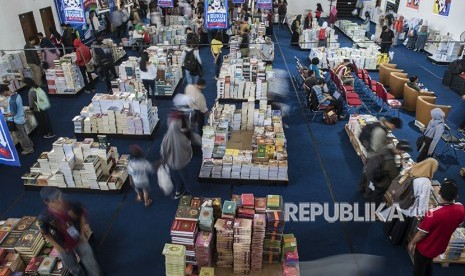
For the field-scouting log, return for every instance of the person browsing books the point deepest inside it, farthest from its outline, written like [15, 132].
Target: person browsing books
[62, 223]
[139, 170]
[435, 230]
[15, 116]
[198, 102]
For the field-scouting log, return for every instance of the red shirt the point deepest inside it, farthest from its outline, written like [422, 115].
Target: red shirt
[83, 51]
[439, 224]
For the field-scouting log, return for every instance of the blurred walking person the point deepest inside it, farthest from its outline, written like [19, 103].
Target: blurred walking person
[40, 104]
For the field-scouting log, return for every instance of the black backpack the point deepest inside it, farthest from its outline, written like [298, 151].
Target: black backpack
[191, 63]
[365, 135]
[401, 193]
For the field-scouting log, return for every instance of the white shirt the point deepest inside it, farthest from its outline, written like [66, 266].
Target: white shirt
[422, 191]
[139, 169]
[151, 73]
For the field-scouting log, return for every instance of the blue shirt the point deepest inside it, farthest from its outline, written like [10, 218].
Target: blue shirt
[315, 69]
[319, 95]
[15, 106]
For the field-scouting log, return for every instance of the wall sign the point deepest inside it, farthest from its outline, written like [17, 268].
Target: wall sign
[238, 2]
[441, 7]
[216, 16]
[165, 3]
[73, 11]
[413, 4]
[8, 153]
[265, 4]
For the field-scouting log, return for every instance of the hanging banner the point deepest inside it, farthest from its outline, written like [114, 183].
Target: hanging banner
[413, 4]
[8, 153]
[73, 11]
[238, 2]
[165, 3]
[216, 16]
[441, 7]
[265, 4]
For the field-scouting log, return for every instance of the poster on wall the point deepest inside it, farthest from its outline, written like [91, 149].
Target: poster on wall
[265, 4]
[413, 4]
[8, 153]
[238, 2]
[165, 3]
[441, 7]
[73, 11]
[216, 16]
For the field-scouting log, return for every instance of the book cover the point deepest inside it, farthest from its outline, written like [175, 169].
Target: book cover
[184, 226]
[47, 265]
[174, 250]
[3, 234]
[204, 239]
[187, 212]
[185, 200]
[27, 239]
[195, 202]
[260, 203]
[10, 240]
[229, 207]
[24, 223]
[248, 200]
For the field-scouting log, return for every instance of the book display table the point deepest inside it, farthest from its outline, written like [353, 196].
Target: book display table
[242, 79]
[356, 33]
[363, 58]
[23, 249]
[66, 78]
[120, 114]
[13, 69]
[243, 234]
[31, 122]
[244, 146]
[79, 166]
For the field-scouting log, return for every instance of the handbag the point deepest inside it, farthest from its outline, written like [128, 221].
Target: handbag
[89, 65]
[11, 125]
[164, 179]
[420, 141]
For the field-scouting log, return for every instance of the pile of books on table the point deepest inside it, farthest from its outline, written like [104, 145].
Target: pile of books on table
[72, 164]
[65, 78]
[266, 159]
[456, 248]
[248, 232]
[24, 251]
[120, 113]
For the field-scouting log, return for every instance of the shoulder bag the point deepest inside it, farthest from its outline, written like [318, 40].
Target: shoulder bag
[89, 65]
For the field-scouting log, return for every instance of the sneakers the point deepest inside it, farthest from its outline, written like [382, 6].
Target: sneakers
[178, 195]
[47, 136]
[27, 152]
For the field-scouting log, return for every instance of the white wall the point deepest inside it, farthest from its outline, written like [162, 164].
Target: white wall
[302, 6]
[454, 23]
[10, 30]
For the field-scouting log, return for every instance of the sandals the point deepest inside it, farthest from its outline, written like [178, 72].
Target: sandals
[148, 203]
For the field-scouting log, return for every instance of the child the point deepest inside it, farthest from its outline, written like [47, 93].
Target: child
[139, 169]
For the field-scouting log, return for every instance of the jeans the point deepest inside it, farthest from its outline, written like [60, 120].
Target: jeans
[44, 123]
[84, 251]
[190, 78]
[149, 84]
[87, 78]
[422, 266]
[180, 178]
[23, 138]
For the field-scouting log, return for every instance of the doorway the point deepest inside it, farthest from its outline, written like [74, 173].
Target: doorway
[28, 24]
[345, 8]
[48, 20]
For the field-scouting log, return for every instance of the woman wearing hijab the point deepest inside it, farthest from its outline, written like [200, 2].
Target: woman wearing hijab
[422, 173]
[413, 33]
[432, 134]
[176, 152]
[333, 16]
[295, 28]
[422, 38]
[50, 53]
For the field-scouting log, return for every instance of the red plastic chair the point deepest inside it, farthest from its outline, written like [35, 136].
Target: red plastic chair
[390, 104]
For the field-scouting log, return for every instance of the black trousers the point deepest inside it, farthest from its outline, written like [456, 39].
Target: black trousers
[88, 84]
[200, 120]
[44, 123]
[218, 63]
[149, 86]
[424, 150]
[385, 48]
[422, 266]
[338, 107]
[104, 73]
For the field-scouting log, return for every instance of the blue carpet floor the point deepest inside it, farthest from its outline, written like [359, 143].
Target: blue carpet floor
[323, 167]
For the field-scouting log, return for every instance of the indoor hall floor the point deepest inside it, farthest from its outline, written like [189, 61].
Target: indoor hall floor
[323, 167]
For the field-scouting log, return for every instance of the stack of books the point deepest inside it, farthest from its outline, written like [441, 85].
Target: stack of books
[229, 209]
[273, 236]
[206, 219]
[29, 244]
[11, 262]
[259, 227]
[175, 259]
[86, 164]
[65, 78]
[224, 242]
[242, 241]
[184, 232]
[274, 202]
[207, 271]
[47, 265]
[203, 248]
[455, 249]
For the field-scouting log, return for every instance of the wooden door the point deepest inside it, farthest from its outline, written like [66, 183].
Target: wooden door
[28, 24]
[47, 20]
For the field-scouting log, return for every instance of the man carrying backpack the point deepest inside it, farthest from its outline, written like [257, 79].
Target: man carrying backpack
[374, 138]
[191, 62]
[382, 169]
